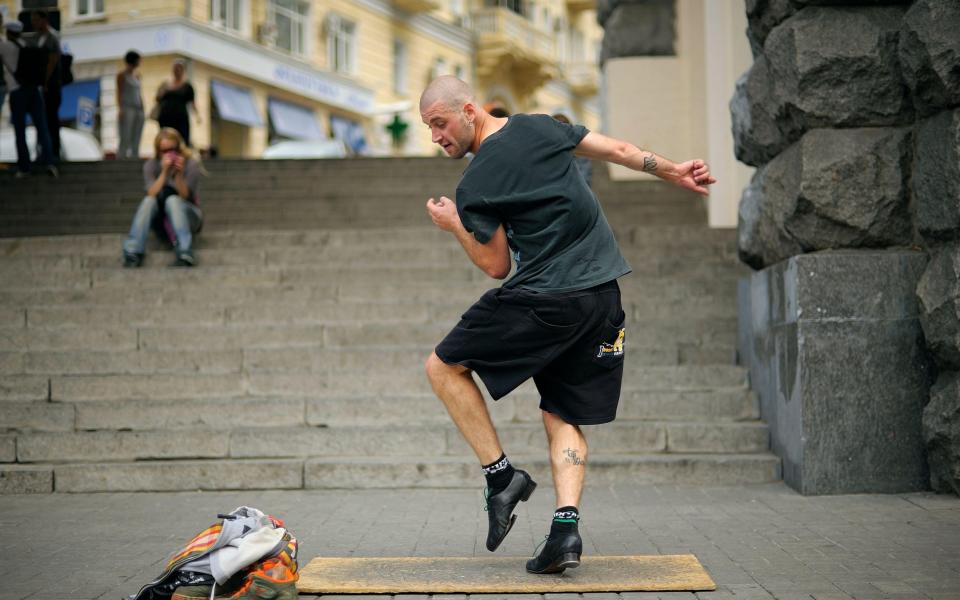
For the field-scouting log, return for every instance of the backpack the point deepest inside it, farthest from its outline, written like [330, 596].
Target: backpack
[31, 66]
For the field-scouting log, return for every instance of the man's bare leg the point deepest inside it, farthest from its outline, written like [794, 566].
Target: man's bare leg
[568, 458]
[454, 386]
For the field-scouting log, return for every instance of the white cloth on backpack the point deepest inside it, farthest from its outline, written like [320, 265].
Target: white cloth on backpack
[243, 541]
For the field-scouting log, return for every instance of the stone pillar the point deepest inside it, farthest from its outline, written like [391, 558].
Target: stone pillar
[836, 356]
[851, 112]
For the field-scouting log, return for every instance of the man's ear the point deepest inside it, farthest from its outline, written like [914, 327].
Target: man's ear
[470, 112]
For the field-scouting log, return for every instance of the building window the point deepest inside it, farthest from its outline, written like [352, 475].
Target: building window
[459, 12]
[399, 67]
[86, 9]
[229, 14]
[341, 45]
[516, 6]
[458, 72]
[439, 68]
[291, 19]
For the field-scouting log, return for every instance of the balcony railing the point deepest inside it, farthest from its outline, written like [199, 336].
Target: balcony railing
[417, 6]
[582, 77]
[575, 6]
[506, 39]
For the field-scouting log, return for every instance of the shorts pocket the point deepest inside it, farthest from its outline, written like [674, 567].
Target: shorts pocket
[481, 312]
[608, 350]
[547, 320]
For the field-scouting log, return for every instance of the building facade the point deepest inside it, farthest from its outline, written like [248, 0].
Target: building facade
[271, 70]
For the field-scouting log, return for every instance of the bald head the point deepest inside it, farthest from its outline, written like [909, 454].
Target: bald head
[448, 90]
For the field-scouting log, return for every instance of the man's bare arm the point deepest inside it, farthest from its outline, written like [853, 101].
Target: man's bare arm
[692, 174]
[493, 258]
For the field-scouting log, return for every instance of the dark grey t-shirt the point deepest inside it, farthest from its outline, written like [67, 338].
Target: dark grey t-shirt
[524, 178]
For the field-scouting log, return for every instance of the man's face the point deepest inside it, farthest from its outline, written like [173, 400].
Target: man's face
[38, 23]
[449, 129]
[178, 70]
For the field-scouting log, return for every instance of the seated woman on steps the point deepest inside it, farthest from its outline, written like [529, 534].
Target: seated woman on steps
[171, 206]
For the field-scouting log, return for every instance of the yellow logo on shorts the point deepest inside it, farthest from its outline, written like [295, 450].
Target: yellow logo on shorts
[614, 349]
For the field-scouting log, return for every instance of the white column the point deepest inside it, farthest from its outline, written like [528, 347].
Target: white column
[726, 56]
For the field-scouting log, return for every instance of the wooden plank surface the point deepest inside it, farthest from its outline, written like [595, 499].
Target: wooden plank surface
[481, 575]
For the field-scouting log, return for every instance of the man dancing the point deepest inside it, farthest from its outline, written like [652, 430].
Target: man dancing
[559, 318]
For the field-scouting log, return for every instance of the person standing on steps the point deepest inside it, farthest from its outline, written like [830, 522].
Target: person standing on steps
[130, 101]
[175, 102]
[49, 40]
[559, 319]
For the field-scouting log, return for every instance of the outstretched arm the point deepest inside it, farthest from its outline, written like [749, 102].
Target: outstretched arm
[493, 258]
[692, 174]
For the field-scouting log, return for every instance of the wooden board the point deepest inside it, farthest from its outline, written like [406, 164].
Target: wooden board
[484, 575]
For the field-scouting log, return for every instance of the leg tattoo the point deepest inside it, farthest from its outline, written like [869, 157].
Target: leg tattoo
[573, 458]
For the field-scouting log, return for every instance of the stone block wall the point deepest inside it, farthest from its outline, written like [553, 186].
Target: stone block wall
[837, 358]
[851, 112]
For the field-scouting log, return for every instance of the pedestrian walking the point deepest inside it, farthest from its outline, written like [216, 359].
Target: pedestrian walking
[559, 319]
[130, 101]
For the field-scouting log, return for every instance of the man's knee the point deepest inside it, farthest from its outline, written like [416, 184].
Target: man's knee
[437, 369]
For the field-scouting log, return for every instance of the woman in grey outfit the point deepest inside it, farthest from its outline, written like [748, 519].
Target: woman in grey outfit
[130, 103]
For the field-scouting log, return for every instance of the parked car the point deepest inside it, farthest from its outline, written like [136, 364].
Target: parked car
[306, 149]
[75, 146]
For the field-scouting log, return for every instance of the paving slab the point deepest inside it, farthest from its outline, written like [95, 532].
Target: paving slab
[893, 546]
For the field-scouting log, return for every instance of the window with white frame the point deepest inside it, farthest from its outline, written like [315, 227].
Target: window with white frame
[459, 11]
[291, 18]
[399, 67]
[229, 14]
[516, 6]
[439, 68]
[458, 72]
[341, 45]
[85, 9]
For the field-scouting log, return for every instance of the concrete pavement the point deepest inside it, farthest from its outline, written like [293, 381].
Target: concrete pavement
[757, 541]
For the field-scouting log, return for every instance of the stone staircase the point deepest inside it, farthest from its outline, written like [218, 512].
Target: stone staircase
[293, 356]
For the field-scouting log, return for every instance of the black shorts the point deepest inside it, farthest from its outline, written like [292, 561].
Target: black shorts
[570, 343]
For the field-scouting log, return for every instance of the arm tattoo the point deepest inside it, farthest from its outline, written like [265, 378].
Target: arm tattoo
[572, 457]
[649, 164]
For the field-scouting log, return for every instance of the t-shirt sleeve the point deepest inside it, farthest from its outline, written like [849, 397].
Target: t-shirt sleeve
[188, 93]
[569, 135]
[477, 215]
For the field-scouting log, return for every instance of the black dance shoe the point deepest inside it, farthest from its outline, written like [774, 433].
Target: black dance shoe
[560, 552]
[500, 507]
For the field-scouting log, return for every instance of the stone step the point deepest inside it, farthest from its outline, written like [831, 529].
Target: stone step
[304, 359]
[645, 294]
[352, 473]
[441, 316]
[673, 238]
[643, 260]
[176, 315]
[710, 469]
[84, 388]
[719, 404]
[622, 437]
[651, 335]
